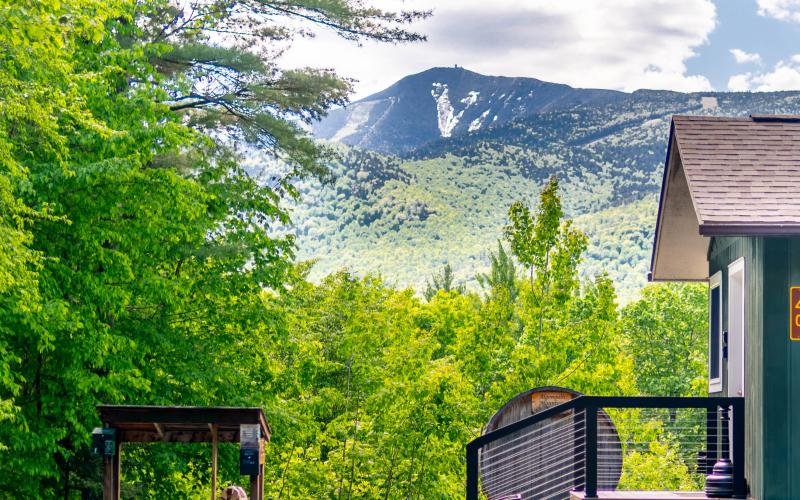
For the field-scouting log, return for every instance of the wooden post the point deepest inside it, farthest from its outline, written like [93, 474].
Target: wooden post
[213, 428]
[257, 482]
[262, 444]
[111, 473]
[254, 488]
[261, 480]
[108, 477]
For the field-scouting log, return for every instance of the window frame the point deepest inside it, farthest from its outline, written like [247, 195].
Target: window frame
[736, 267]
[715, 384]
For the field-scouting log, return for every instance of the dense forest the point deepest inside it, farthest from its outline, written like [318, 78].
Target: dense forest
[142, 262]
[397, 208]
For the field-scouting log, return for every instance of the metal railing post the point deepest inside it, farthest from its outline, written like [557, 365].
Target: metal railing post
[580, 450]
[591, 452]
[472, 471]
[739, 484]
[712, 436]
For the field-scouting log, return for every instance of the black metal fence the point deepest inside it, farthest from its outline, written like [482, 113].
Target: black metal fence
[589, 443]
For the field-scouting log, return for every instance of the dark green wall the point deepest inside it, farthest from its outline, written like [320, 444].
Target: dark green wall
[772, 364]
[781, 368]
[723, 252]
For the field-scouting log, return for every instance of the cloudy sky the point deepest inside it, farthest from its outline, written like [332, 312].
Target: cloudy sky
[687, 45]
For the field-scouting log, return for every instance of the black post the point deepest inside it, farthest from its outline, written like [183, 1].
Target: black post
[591, 452]
[472, 471]
[739, 485]
[712, 435]
[720, 482]
[580, 449]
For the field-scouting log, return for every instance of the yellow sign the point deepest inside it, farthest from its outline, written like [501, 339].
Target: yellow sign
[794, 313]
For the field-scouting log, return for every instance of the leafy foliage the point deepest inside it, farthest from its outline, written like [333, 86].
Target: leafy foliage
[135, 245]
[143, 262]
[665, 334]
[502, 274]
[444, 282]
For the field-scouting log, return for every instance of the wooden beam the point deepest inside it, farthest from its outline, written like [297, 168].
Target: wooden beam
[213, 428]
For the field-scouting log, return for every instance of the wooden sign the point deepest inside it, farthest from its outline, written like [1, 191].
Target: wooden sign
[543, 400]
[794, 313]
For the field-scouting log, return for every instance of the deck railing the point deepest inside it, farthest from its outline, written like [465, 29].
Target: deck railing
[583, 444]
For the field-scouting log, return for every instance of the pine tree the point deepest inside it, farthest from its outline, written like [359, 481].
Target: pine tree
[445, 282]
[502, 273]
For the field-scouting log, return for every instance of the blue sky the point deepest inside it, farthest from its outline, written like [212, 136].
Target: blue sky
[686, 45]
[739, 26]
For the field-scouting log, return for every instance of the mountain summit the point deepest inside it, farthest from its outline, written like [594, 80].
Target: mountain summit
[444, 102]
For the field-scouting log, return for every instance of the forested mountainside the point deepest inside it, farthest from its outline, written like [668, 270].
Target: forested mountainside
[406, 215]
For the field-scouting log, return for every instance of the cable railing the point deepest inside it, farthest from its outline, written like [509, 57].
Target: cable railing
[598, 443]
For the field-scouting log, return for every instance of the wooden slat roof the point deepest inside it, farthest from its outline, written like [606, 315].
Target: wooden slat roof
[190, 424]
[743, 173]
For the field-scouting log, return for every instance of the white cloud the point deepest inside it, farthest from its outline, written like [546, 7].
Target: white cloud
[785, 10]
[619, 44]
[784, 76]
[743, 57]
[740, 83]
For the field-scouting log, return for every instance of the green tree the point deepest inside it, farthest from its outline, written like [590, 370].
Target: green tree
[445, 281]
[141, 246]
[501, 274]
[217, 64]
[369, 405]
[550, 248]
[665, 334]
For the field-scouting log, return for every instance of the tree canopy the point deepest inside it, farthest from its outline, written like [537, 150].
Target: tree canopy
[142, 262]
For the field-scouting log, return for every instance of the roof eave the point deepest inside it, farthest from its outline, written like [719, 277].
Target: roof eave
[661, 200]
[729, 229]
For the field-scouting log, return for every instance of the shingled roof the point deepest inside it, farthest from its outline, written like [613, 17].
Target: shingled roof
[725, 176]
[743, 173]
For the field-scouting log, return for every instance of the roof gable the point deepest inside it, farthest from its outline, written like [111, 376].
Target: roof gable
[743, 173]
[724, 176]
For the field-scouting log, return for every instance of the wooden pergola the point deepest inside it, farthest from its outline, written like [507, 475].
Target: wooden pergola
[181, 424]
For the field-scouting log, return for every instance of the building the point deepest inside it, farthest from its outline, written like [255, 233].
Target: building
[729, 213]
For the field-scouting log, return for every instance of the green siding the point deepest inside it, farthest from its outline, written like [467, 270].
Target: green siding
[781, 369]
[723, 252]
[772, 361]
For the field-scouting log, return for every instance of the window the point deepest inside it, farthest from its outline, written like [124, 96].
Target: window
[715, 333]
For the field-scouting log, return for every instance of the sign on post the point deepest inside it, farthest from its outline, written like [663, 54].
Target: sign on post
[794, 313]
[250, 449]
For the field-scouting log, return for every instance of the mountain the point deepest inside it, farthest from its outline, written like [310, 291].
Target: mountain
[443, 102]
[434, 200]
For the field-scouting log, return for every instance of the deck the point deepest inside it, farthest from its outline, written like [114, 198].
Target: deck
[642, 495]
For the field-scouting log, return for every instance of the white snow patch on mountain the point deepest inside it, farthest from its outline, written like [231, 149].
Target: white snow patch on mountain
[447, 120]
[358, 116]
[477, 122]
[472, 98]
